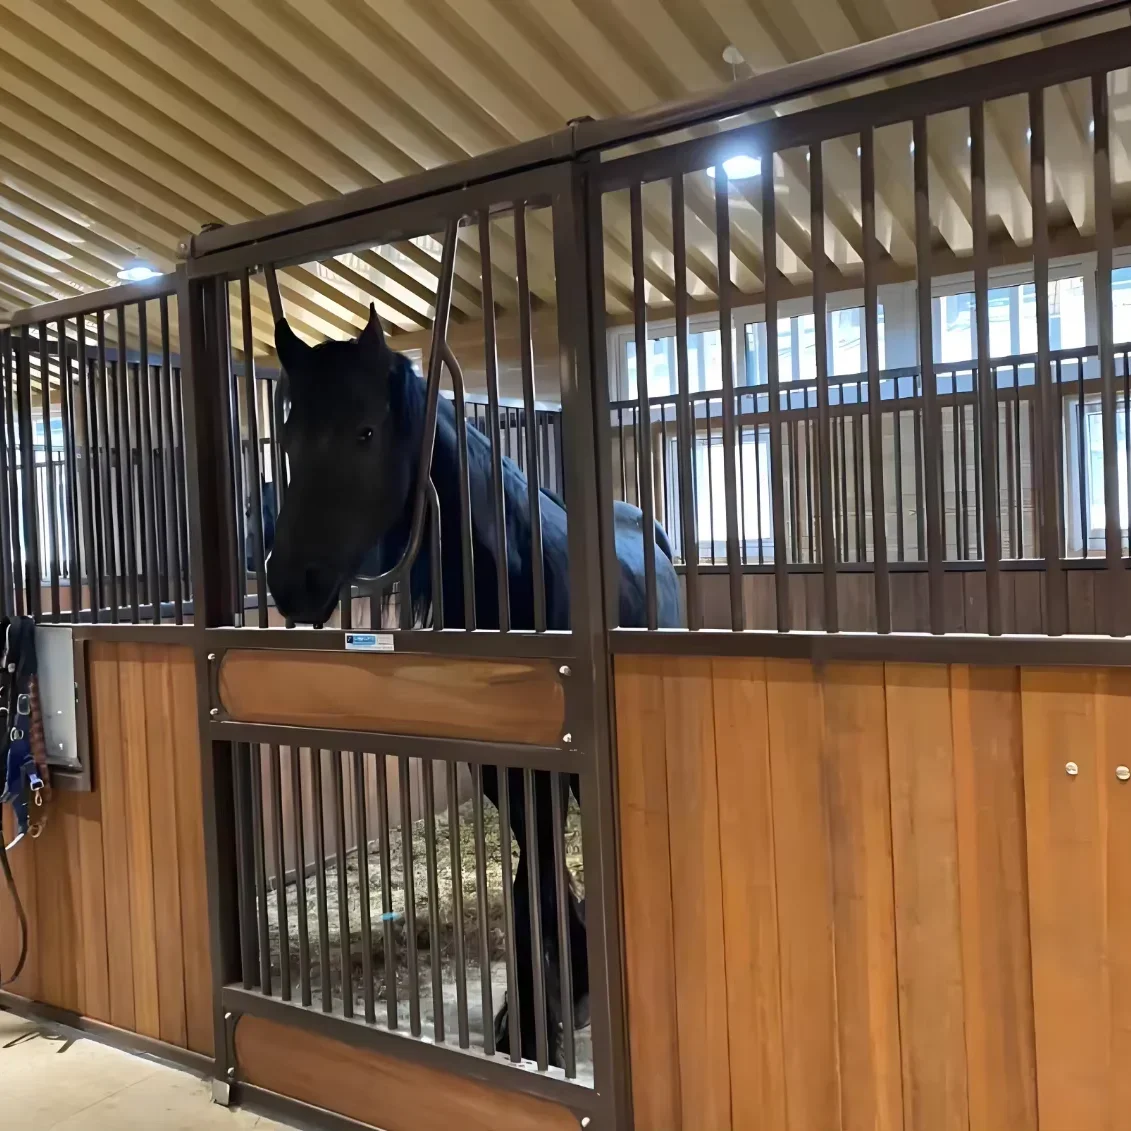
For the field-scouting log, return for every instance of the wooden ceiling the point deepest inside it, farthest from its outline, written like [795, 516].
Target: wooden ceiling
[126, 124]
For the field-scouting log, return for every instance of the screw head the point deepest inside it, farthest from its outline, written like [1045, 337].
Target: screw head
[227, 1016]
[1122, 772]
[564, 670]
[567, 738]
[214, 712]
[1071, 769]
[585, 1121]
[231, 1073]
[211, 657]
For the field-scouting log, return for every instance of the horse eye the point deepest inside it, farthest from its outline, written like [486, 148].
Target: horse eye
[364, 435]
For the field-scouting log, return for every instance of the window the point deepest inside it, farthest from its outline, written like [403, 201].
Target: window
[797, 346]
[1092, 466]
[1121, 304]
[704, 363]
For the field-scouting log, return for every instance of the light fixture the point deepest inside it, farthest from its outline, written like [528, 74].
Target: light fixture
[740, 167]
[137, 271]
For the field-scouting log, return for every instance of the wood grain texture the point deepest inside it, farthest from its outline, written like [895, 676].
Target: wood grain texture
[115, 887]
[648, 909]
[393, 1094]
[514, 701]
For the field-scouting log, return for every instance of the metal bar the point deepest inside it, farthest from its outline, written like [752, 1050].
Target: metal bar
[387, 914]
[361, 817]
[50, 527]
[770, 260]
[427, 771]
[341, 870]
[145, 445]
[559, 787]
[643, 436]
[300, 870]
[254, 756]
[931, 422]
[12, 485]
[8, 583]
[467, 549]
[1056, 592]
[87, 304]
[326, 984]
[124, 406]
[71, 485]
[235, 512]
[1101, 141]
[726, 355]
[684, 424]
[86, 415]
[491, 358]
[987, 375]
[534, 895]
[488, 1009]
[526, 345]
[33, 572]
[408, 869]
[460, 957]
[245, 873]
[256, 493]
[513, 1005]
[171, 463]
[281, 873]
[820, 338]
[100, 416]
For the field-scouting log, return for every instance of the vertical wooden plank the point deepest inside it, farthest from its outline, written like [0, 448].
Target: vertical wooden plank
[925, 859]
[860, 841]
[143, 924]
[1067, 898]
[646, 884]
[701, 993]
[22, 863]
[805, 899]
[190, 852]
[57, 938]
[92, 908]
[750, 919]
[161, 766]
[106, 707]
[993, 895]
[76, 920]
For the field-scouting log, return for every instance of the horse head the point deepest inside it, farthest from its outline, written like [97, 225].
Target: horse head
[351, 461]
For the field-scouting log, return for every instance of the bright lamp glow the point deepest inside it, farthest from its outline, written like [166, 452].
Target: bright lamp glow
[740, 167]
[137, 271]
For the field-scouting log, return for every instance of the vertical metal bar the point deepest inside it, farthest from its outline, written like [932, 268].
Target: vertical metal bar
[460, 957]
[7, 578]
[685, 423]
[300, 876]
[342, 873]
[256, 492]
[897, 443]
[236, 519]
[124, 403]
[513, 1004]
[171, 462]
[526, 344]
[959, 491]
[148, 487]
[281, 873]
[559, 790]
[643, 435]
[162, 518]
[987, 375]
[254, 754]
[488, 1009]
[793, 431]
[15, 506]
[770, 260]
[50, 527]
[931, 422]
[467, 549]
[33, 571]
[537, 944]
[100, 415]
[245, 873]
[820, 339]
[361, 818]
[71, 486]
[408, 867]
[1104, 242]
[1056, 594]
[89, 469]
[387, 915]
[858, 497]
[327, 988]
[726, 352]
[428, 769]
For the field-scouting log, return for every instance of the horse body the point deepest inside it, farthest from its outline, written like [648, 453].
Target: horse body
[312, 558]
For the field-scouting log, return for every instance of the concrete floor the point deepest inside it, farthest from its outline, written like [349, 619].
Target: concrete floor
[59, 1081]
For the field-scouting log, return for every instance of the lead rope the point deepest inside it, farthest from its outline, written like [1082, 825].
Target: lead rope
[8, 683]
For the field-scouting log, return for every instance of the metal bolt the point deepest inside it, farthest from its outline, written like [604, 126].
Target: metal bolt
[1071, 769]
[564, 670]
[231, 1073]
[214, 712]
[211, 657]
[1122, 772]
[227, 1017]
[567, 738]
[585, 1121]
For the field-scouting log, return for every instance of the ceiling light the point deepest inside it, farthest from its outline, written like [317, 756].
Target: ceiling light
[741, 167]
[138, 271]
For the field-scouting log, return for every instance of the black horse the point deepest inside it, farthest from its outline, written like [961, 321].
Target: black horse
[352, 439]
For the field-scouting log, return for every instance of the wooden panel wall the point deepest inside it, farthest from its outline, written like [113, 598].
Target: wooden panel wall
[115, 888]
[866, 896]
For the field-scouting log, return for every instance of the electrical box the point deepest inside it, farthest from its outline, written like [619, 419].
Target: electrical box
[61, 663]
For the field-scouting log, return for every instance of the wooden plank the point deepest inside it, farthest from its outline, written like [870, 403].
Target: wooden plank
[92, 909]
[859, 807]
[925, 860]
[22, 862]
[1081, 601]
[395, 1094]
[190, 851]
[1067, 898]
[701, 992]
[646, 884]
[159, 722]
[750, 920]
[805, 897]
[993, 888]
[143, 925]
[57, 937]
[106, 739]
[443, 696]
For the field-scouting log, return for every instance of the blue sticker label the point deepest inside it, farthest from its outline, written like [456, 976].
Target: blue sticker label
[369, 641]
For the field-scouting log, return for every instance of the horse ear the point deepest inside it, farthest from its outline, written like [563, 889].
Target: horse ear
[371, 342]
[292, 350]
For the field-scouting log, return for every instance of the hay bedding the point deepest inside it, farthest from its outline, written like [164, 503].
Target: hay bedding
[446, 926]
